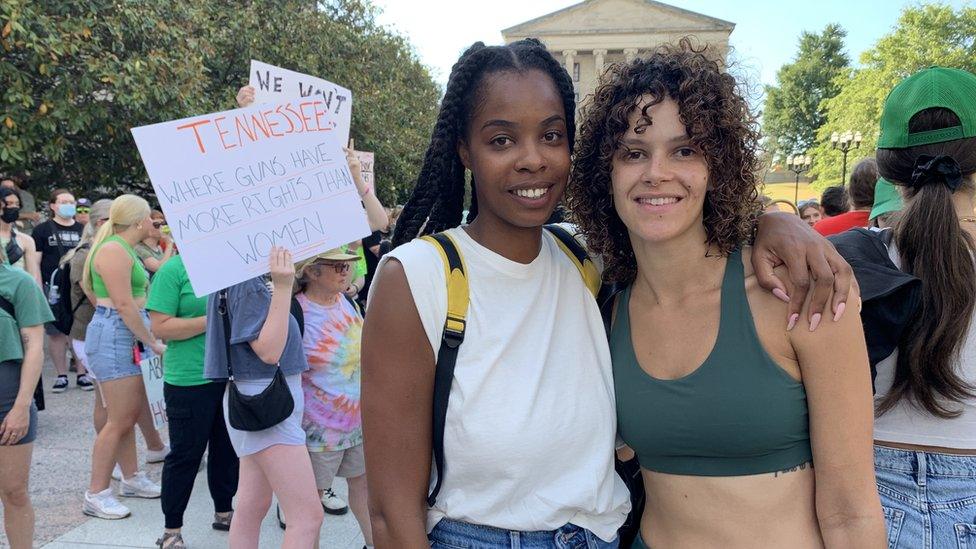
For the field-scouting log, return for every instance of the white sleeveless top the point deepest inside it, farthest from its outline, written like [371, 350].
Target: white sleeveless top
[531, 423]
[909, 424]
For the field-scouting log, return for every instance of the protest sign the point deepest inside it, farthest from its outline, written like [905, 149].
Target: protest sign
[366, 161]
[152, 378]
[235, 183]
[274, 84]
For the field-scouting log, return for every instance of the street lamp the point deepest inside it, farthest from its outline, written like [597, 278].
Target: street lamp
[846, 142]
[798, 164]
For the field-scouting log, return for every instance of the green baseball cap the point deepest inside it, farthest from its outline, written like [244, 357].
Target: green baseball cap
[952, 89]
[887, 199]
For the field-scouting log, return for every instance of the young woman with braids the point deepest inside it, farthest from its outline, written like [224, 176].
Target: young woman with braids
[726, 410]
[925, 429]
[530, 427]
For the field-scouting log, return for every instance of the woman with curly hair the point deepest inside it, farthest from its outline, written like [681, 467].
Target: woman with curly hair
[726, 411]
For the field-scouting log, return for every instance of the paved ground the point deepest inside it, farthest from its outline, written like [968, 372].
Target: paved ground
[59, 476]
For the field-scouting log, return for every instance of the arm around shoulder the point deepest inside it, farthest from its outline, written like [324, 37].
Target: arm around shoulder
[397, 401]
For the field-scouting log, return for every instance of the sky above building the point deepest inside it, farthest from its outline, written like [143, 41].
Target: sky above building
[765, 36]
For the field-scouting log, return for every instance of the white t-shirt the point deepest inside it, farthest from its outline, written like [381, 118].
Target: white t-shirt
[909, 424]
[531, 422]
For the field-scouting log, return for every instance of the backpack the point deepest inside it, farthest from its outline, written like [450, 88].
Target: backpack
[59, 297]
[455, 323]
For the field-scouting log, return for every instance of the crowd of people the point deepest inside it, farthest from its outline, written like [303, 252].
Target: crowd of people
[469, 377]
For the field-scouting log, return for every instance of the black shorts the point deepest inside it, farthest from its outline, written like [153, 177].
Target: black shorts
[9, 386]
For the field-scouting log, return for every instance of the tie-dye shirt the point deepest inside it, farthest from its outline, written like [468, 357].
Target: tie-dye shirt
[332, 339]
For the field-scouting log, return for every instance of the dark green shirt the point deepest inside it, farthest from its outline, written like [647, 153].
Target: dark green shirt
[30, 308]
[172, 294]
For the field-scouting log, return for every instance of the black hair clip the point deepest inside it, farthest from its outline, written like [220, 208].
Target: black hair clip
[936, 169]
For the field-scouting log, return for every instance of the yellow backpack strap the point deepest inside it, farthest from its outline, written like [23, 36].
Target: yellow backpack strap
[577, 253]
[454, 326]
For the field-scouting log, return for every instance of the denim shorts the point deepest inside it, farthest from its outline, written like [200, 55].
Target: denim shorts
[451, 534]
[108, 346]
[928, 499]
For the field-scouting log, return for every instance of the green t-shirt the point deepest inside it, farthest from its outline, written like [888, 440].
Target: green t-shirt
[171, 294]
[30, 308]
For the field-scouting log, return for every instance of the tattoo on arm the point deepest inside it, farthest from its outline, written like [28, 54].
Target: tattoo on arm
[795, 468]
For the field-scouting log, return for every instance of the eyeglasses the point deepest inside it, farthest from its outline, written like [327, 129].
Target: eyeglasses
[158, 224]
[339, 268]
[83, 209]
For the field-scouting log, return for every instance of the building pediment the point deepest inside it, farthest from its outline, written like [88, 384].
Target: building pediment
[618, 16]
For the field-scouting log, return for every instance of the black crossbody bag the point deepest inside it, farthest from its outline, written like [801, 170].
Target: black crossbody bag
[254, 412]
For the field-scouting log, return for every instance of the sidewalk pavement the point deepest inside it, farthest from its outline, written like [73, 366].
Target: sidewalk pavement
[59, 475]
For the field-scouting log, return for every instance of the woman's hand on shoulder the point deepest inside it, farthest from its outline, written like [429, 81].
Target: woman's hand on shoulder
[816, 273]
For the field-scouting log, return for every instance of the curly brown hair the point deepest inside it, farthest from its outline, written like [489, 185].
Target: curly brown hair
[716, 117]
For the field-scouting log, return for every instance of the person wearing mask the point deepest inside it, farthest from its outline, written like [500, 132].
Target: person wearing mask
[116, 341]
[156, 249]
[887, 204]
[863, 178]
[194, 405]
[84, 310]
[261, 337]
[82, 210]
[925, 424]
[23, 310]
[29, 216]
[835, 201]
[19, 247]
[810, 211]
[332, 421]
[54, 238]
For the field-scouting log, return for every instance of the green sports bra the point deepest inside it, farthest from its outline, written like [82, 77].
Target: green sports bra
[739, 413]
[139, 278]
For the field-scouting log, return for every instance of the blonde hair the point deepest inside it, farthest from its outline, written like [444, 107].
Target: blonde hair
[126, 210]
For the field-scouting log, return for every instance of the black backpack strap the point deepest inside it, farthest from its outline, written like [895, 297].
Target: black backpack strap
[354, 303]
[454, 326]
[7, 306]
[299, 314]
[223, 309]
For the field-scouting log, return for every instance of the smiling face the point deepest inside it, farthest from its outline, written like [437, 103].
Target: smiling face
[517, 149]
[659, 176]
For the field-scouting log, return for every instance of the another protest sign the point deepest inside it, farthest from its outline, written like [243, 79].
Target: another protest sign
[235, 183]
[152, 378]
[366, 161]
[274, 84]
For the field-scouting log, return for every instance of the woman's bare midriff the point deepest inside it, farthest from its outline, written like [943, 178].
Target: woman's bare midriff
[107, 302]
[747, 512]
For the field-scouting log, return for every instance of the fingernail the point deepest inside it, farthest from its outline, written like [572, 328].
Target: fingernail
[840, 311]
[793, 320]
[781, 294]
[815, 321]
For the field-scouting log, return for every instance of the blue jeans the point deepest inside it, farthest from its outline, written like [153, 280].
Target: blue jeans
[108, 346]
[451, 534]
[928, 499]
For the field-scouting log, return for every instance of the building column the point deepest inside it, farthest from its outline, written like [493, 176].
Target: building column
[569, 57]
[598, 56]
[630, 54]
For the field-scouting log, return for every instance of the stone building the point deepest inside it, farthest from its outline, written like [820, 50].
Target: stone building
[590, 35]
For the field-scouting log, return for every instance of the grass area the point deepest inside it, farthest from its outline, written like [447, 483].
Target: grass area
[778, 191]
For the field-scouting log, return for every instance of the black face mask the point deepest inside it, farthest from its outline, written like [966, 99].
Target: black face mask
[10, 215]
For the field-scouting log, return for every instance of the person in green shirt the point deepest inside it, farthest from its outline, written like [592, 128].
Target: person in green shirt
[194, 405]
[23, 312]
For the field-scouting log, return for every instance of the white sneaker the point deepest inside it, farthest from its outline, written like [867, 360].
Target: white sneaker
[104, 505]
[333, 504]
[139, 486]
[157, 456]
[117, 472]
